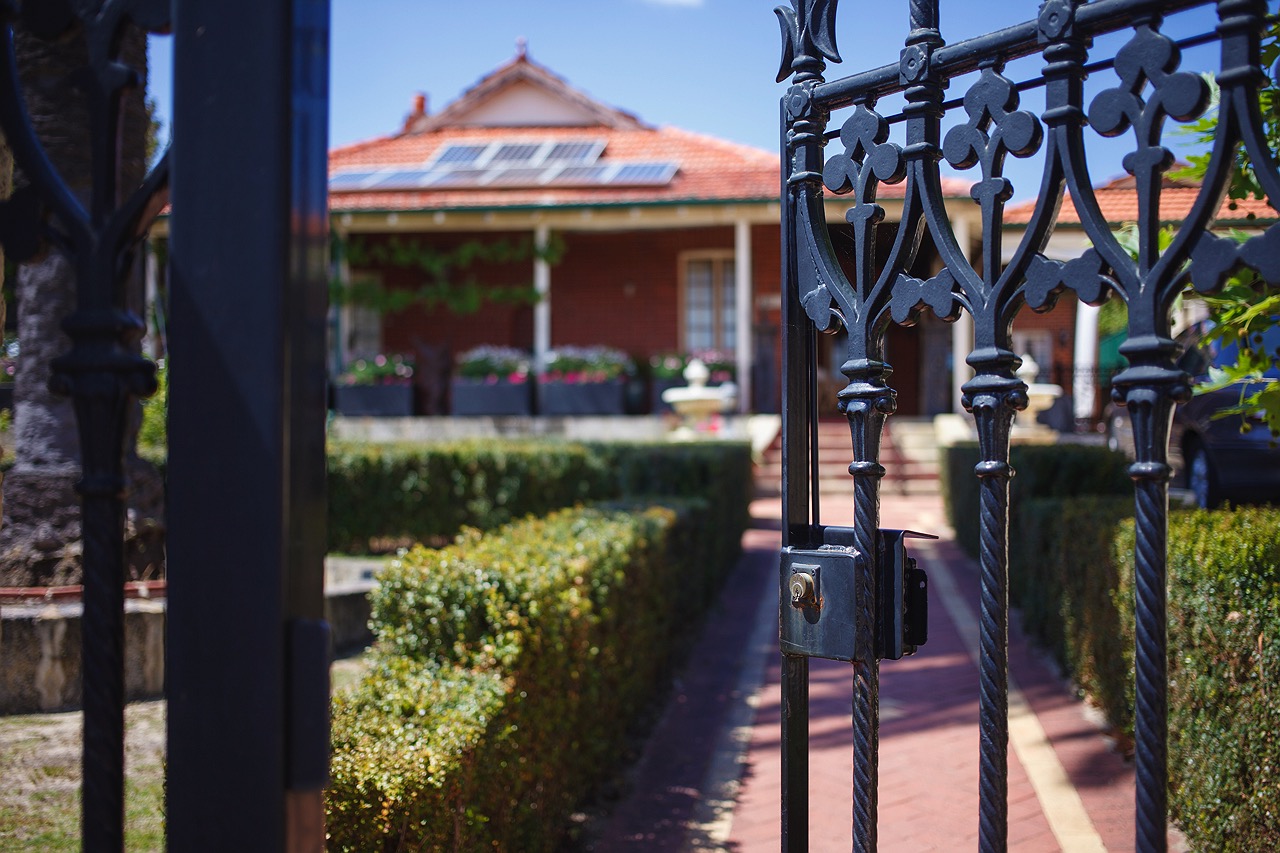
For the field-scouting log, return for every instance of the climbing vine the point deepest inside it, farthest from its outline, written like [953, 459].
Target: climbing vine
[450, 281]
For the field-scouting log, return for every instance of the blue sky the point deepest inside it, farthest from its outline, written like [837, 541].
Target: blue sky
[705, 65]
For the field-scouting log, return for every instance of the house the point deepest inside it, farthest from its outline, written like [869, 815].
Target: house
[662, 239]
[1084, 369]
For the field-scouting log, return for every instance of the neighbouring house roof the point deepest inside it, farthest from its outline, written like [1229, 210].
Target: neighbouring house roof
[1118, 201]
[522, 137]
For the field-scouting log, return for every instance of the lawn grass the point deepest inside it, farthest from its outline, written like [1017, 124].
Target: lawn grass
[40, 797]
[40, 788]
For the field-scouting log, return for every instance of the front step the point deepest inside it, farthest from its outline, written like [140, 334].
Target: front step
[908, 451]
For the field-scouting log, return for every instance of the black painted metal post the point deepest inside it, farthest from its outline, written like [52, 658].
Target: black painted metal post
[247, 646]
[796, 381]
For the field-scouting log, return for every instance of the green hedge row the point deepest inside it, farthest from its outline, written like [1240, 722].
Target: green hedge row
[382, 496]
[1224, 647]
[1224, 673]
[1063, 556]
[385, 495]
[513, 664]
[1041, 471]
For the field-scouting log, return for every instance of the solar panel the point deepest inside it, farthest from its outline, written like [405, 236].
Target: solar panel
[644, 173]
[515, 152]
[574, 152]
[460, 178]
[459, 155]
[349, 180]
[579, 175]
[401, 179]
[517, 178]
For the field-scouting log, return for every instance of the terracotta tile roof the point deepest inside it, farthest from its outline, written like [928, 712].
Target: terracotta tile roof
[707, 169]
[1118, 200]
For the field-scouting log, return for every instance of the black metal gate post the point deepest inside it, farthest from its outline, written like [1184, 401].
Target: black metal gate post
[1151, 88]
[247, 667]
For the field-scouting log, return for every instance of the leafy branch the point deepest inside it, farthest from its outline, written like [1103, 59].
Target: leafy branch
[1246, 307]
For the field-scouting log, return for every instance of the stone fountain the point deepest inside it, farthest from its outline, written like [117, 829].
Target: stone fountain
[698, 406]
[1027, 428]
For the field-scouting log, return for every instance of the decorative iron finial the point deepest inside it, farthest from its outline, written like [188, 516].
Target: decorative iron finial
[522, 47]
[808, 37]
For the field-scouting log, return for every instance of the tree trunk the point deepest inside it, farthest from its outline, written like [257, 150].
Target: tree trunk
[6, 187]
[40, 541]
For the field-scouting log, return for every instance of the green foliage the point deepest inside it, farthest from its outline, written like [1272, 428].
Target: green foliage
[493, 364]
[379, 370]
[721, 366]
[405, 742]
[1246, 306]
[1063, 576]
[1224, 648]
[1113, 318]
[450, 282]
[586, 364]
[515, 663]
[382, 496]
[1224, 674]
[1243, 182]
[1042, 471]
[153, 434]
[1241, 313]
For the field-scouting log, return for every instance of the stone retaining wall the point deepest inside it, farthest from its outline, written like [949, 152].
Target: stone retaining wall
[40, 647]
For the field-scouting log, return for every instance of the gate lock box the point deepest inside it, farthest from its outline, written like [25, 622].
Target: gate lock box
[818, 598]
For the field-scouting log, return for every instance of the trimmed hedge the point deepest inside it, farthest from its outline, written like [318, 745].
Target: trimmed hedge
[1041, 471]
[1063, 554]
[1224, 648]
[382, 496]
[1224, 674]
[514, 663]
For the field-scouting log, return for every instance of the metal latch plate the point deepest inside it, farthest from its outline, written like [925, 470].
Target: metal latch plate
[817, 602]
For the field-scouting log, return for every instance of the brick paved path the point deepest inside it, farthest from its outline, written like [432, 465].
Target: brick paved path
[710, 777]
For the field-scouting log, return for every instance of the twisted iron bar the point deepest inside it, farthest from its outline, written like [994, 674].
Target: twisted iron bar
[1151, 410]
[1151, 655]
[866, 402]
[994, 401]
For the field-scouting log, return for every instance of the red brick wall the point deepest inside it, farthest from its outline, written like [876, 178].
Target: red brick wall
[622, 289]
[492, 324]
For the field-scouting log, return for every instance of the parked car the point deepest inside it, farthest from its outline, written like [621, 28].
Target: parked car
[1217, 459]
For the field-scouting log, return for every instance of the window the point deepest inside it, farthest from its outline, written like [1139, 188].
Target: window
[709, 313]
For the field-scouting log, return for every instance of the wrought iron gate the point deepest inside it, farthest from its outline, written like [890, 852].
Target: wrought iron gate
[852, 594]
[247, 648]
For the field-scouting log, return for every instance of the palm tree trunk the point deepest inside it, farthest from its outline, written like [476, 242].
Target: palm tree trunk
[40, 540]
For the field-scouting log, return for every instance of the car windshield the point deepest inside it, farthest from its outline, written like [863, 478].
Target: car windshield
[1197, 359]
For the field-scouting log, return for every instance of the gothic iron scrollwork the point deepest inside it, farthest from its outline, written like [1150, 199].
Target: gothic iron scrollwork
[102, 372]
[1151, 89]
